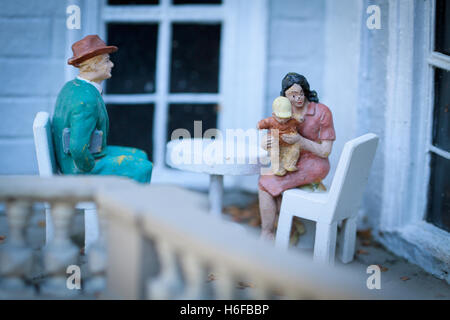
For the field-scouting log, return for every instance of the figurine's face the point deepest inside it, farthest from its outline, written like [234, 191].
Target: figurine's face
[281, 120]
[104, 66]
[296, 95]
[97, 68]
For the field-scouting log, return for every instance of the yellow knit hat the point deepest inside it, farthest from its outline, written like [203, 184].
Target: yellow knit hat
[281, 107]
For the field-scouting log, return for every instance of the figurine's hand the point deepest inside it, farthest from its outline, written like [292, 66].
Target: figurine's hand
[266, 142]
[291, 138]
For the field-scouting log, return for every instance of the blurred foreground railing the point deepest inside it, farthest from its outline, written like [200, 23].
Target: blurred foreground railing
[156, 242]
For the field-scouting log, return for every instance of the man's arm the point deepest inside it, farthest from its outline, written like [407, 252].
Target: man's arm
[82, 121]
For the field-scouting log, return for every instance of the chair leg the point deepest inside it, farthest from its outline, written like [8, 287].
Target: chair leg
[347, 240]
[283, 230]
[91, 228]
[325, 242]
[48, 225]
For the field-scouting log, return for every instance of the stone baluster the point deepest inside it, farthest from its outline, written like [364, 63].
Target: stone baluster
[259, 290]
[224, 284]
[169, 283]
[195, 278]
[60, 253]
[97, 259]
[16, 258]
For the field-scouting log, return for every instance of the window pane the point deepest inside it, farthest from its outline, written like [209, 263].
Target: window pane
[122, 2]
[197, 1]
[135, 61]
[439, 193]
[182, 116]
[195, 58]
[441, 125]
[131, 126]
[442, 37]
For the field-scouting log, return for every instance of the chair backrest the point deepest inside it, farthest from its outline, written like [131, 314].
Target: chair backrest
[351, 175]
[43, 144]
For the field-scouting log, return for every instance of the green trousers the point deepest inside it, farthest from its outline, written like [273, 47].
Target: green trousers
[125, 162]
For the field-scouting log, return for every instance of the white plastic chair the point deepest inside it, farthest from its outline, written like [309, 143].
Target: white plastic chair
[327, 209]
[47, 167]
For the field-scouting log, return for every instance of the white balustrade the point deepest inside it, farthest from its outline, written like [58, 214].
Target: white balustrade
[169, 283]
[16, 256]
[97, 259]
[156, 242]
[60, 253]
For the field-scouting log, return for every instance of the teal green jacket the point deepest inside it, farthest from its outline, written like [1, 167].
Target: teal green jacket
[80, 107]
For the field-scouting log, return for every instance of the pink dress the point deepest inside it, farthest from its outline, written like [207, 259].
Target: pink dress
[317, 126]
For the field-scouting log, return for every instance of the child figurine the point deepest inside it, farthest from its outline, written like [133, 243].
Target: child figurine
[283, 156]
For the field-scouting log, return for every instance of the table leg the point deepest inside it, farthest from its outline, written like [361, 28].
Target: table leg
[216, 194]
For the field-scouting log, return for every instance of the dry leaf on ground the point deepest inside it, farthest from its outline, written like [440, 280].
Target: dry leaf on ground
[382, 269]
[243, 285]
[404, 278]
[362, 252]
[211, 277]
[365, 234]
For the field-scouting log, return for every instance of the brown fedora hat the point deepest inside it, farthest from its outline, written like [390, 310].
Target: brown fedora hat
[88, 47]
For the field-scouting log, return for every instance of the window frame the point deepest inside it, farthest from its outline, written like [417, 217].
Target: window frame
[242, 60]
[408, 148]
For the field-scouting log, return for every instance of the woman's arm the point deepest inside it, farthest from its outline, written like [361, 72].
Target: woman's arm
[322, 150]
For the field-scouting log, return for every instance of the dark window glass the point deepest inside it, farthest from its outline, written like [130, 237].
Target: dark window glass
[124, 2]
[182, 116]
[442, 32]
[195, 58]
[131, 126]
[135, 61]
[196, 1]
[441, 124]
[439, 193]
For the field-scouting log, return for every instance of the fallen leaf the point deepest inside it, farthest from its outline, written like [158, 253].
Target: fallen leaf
[211, 277]
[255, 222]
[236, 219]
[362, 252]
[405, 278]
[247, 214]
[41, 223]
[2, 238]
[382, 269]
[366, 243]
[365, 234]
[233, 210]
[243, 285]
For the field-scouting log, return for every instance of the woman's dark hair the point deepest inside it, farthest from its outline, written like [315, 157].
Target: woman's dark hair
[294, 78]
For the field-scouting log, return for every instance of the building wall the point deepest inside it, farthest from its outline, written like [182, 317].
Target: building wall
[371, 106]
[32, 47]
[296, 44]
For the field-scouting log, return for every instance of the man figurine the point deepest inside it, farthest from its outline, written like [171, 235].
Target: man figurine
[80, 122]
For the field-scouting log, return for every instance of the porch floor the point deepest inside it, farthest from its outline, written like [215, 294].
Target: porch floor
[399, 278]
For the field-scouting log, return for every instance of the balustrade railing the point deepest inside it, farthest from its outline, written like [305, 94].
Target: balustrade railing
[156, 242]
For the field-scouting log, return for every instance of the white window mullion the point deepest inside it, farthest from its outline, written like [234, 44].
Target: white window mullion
[162, 86]
[129, 13]
[439, 60]
[194, 98]
[130, 98]
[440, 152]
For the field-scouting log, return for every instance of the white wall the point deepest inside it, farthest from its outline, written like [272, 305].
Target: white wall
[341, 71]
[296, 44]
[32, 35]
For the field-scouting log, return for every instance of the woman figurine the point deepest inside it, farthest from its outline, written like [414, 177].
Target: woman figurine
[315, 139]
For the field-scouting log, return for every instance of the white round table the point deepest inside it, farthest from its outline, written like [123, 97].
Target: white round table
[205, 156]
